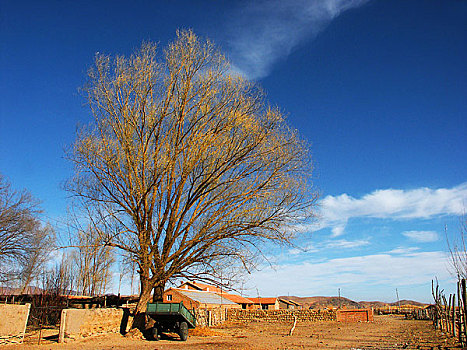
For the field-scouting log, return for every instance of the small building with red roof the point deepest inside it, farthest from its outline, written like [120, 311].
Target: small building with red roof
[196, 299]
[244, 303]
[274, 303]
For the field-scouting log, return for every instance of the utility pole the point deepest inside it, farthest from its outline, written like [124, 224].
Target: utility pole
[398, 301]
[259, 298]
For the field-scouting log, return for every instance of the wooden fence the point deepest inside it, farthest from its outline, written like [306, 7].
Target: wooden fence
[398, 310]
[450, 314]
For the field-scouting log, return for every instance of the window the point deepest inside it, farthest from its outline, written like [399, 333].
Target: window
[169, 297]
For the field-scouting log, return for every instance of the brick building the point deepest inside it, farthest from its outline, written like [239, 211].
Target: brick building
[196, 299]
[244, 303]
[274, 304]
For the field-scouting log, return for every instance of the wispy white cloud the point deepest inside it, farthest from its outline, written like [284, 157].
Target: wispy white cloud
[330, 244]
[404, 250]
[338, 230]
[375, 274]
[421, 236]
[345, 244]
[421, 203]
[266, 31]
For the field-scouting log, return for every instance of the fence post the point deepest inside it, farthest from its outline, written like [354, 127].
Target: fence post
[459, 307]
[453, 315]
[61, 332]
[26, 323]
[464, 308]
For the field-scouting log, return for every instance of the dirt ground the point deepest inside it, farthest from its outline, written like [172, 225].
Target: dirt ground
[386, 332]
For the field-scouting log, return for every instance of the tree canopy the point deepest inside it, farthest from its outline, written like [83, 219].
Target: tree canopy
[186, 163]
[25, 243]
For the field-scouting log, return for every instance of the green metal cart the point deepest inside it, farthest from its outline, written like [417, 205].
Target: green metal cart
[171, 317]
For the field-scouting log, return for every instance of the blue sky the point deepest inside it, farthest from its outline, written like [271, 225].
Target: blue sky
[378, 88]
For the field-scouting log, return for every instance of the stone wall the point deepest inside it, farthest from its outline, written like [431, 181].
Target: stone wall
[210, 317]
[79, 323]
[280, 315]
[13, 320]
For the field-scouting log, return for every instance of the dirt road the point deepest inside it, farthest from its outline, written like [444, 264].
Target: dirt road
[386, 332]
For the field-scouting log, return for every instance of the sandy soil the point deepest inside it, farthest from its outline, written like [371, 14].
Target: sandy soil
[386, 332]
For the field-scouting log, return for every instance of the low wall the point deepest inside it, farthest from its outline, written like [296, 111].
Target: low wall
[13, 321]
[210, 317]
[236, 315]
[354, 315]
[78, 323]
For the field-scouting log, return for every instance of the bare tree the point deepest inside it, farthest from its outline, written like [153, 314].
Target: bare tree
[187, 164]
[127, 270]
[36, 255]
[458, 250]
[92, 257]
[25, 244]
[61, 278]
[93, 262]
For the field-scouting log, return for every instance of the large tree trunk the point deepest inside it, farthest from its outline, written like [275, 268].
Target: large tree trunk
[158, 295]
[139, 320]
[147, 285]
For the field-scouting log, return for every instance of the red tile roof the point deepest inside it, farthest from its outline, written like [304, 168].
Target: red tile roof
[202, 286]
[207, 287]
[204, 297]
[78, 297]
[184, 285]
[263, 300]
[236, 298]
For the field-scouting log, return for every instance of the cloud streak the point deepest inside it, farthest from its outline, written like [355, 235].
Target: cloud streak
[330, 244]
[345, 244]
[421, 203]
[268, 30]
[421, 236]
[375, 273]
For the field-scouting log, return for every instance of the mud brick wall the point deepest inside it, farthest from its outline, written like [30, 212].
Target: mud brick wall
[13, 320]
[210, 317]
[246, 316]
[79, 323]
[355, 315]
[177, 297]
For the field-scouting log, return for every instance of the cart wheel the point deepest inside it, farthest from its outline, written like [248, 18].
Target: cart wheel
[154, 333]
[183, 331]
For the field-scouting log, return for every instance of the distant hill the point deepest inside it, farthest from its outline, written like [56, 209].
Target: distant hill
[375, 304]
[17, 291]
[320, 302]
[408, 302]
[323, 302]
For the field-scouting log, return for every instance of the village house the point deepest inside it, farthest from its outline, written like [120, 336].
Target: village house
[290, 304]
[200, 286]
[244, 303]
[196, 299]
[274, 304]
